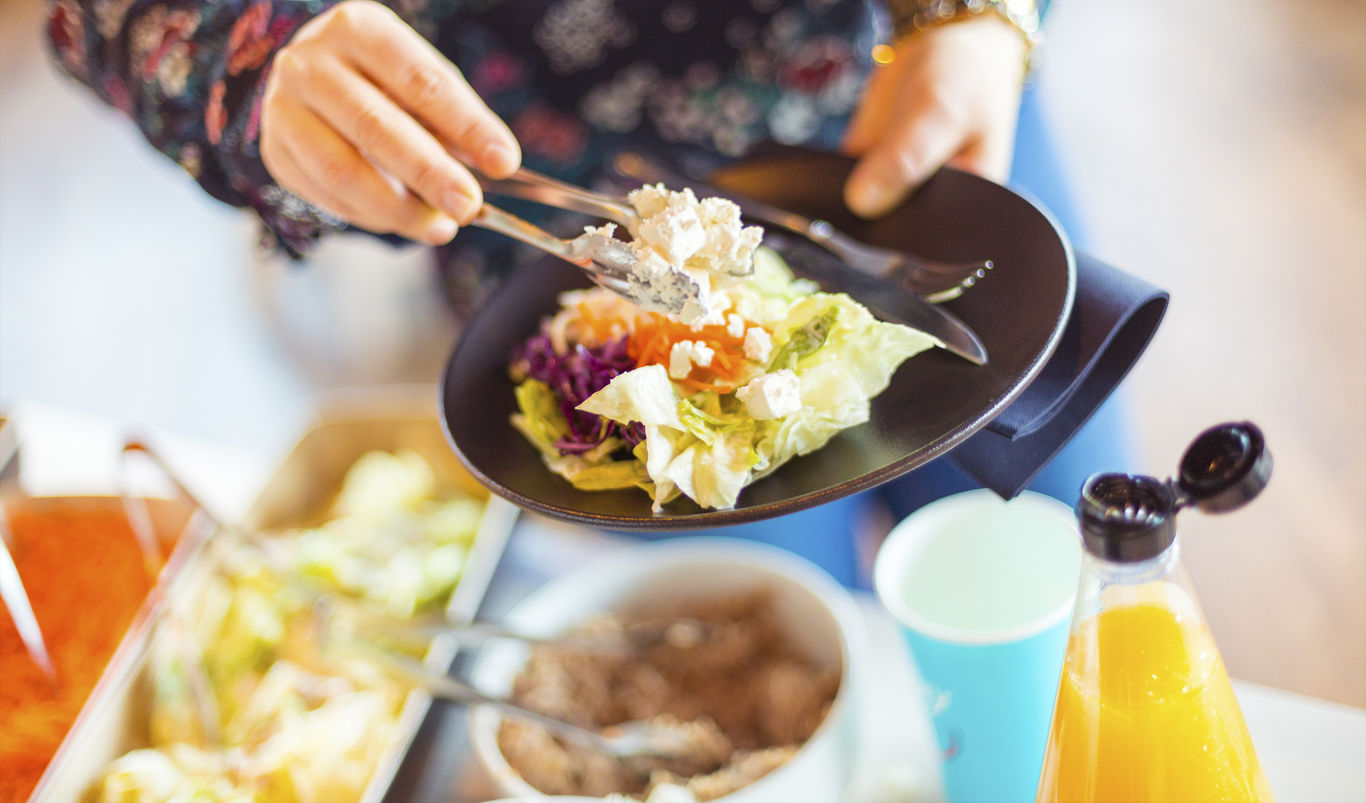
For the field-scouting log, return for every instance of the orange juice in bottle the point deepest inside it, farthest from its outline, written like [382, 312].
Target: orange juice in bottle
[1145, 710]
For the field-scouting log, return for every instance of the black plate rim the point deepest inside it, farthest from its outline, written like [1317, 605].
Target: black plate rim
[740, 515]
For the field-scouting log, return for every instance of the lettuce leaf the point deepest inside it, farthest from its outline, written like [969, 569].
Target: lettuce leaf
[645, 394]
[705, 454]
[854, 363]
[540, 419]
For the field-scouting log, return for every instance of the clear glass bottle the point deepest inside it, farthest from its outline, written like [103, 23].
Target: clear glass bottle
[1145, 710]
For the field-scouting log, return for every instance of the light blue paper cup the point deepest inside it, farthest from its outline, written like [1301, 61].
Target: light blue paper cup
[983, 590]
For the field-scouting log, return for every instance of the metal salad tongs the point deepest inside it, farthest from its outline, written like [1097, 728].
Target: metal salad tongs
[637, 738]
[607, 260]
[933, 279]
[893, 298]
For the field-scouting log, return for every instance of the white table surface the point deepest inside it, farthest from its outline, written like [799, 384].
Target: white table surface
[1311, 750]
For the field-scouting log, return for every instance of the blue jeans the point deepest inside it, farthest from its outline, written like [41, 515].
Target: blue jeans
[826, 535]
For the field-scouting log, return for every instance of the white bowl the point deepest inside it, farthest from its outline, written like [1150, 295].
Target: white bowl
[817, 613]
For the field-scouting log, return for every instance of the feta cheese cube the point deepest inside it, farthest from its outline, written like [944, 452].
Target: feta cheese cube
[758, 345]
[772, 395]
[716, 312]
[689, 244]
[735, 325]
[688, 353]
[650, 199]
[676, 234]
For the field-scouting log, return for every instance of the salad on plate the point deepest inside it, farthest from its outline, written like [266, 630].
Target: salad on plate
[617, 395]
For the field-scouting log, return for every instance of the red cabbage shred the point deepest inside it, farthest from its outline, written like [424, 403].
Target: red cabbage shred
[572, 378]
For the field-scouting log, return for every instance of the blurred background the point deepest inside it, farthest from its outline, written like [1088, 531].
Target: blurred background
[1217, 149]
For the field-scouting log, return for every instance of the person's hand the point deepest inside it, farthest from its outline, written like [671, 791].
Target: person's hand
[362, 116]
[950, 95]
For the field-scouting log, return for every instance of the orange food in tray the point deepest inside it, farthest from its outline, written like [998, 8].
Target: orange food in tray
[86, 579]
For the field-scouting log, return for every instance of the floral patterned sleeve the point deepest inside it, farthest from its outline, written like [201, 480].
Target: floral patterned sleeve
[191, 74]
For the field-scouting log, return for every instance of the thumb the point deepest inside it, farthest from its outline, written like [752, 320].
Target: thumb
[875, 112]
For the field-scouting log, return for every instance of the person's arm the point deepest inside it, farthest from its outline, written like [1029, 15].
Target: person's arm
[191, 74]
[948, 92]
[201, 80]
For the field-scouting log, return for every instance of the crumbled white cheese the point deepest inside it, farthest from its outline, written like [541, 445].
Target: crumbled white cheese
[655, 283]
[705, 235]
[772, 395]
[735, 325]
[683, 245]
[716, 313]
[758, 345]
[688, 353]
[676, 233]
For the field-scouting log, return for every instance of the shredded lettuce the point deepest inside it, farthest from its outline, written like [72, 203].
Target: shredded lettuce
[241, 657]
[540, 419]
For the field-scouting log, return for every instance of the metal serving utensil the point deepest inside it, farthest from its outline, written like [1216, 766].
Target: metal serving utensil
[625, 740]
[20, 608]
[173, 624]
[12, 590]
[224, 529]
[608, 261]
[341, 616]
[621, 741]
[933, 279]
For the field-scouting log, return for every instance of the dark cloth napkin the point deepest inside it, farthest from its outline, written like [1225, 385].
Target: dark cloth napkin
[1114, 316]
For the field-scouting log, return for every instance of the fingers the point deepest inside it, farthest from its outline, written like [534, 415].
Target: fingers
[875, 111]
[316, 163]
[422, 81]
[986, 156]
[387, 136]
[363, 116]
[950, 94]
[930, 127]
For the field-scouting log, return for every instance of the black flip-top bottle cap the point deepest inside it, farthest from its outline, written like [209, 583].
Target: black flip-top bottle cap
[1225, 468]
[1126, 518]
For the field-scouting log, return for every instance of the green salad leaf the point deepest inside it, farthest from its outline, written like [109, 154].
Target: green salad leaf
[854, 363]
[805, 340]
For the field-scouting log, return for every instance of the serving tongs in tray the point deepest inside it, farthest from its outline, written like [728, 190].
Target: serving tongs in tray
[12, 590]
[346, 425]
[344, 626]
[635, 739]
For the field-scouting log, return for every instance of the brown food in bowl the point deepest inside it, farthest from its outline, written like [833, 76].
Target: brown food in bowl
[746, 697]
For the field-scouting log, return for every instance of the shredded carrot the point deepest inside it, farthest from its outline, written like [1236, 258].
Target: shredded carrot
[654, 336]
[600, 329]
